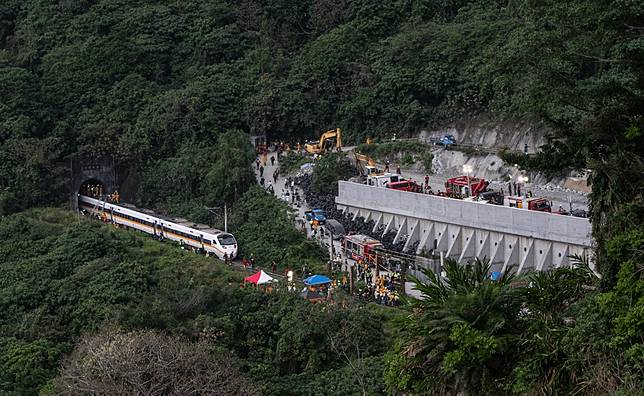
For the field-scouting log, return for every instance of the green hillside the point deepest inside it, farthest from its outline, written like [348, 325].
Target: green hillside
[172, 89]
[65, 279]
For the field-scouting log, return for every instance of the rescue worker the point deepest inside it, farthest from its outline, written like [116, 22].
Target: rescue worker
[275, 174]
[117, 197]
[261, 181]
[226, 258]
[398, 169]
[261, 171]
[272, 160]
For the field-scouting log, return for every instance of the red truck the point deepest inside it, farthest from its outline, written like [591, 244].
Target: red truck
[405, 185]
[456, 187]
[538, 204]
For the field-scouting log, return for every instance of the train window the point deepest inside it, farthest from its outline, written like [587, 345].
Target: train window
[207, 241]
[226, 239]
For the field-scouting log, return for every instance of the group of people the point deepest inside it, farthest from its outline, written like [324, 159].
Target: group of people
[290, 192]
[92, 190]
[249, 262]
[261, 162]
[386, 170]
[381, 291]
[96, 191]
[379, 288]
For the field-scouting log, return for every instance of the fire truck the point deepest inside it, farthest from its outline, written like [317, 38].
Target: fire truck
[405, 185]
[456, 187]
[538, 204]
[361, 247]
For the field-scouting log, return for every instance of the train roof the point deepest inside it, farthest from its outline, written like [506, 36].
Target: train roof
[176, 220]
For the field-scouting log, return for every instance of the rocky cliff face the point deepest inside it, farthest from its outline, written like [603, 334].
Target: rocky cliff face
[488, 132]
[479, 141]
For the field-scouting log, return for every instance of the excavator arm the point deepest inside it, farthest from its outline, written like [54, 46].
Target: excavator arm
[319, 148]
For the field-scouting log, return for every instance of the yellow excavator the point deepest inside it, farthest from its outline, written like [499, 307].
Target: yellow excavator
[366, 165]
[320, 147]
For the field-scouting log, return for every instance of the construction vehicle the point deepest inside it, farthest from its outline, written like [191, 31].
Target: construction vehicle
[465, 186]
[316, 217]
[321, 146]
[366, 165]
[538, 204]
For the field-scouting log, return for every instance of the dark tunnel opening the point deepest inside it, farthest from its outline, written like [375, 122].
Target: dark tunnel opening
[93, 188]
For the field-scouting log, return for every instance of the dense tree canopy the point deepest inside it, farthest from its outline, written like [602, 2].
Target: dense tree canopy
[65, 279]
[172, 89]
[150, 81]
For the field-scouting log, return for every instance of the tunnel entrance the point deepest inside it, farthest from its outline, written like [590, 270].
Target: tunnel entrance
[94, 177]
[93, 188]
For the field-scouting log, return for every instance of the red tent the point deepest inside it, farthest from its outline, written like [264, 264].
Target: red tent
[259, 278]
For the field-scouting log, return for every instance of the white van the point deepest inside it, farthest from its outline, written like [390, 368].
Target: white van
[382, 180]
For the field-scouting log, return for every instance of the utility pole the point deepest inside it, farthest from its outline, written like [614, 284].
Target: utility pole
[331, 244]
[216, 211]
[351, 279]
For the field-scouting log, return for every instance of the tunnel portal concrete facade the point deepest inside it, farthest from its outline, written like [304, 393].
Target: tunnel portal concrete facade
[83, 170]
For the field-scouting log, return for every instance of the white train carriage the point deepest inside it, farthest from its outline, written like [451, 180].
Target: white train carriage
[211, 241]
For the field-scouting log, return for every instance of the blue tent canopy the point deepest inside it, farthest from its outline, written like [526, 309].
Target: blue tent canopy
[316, 280]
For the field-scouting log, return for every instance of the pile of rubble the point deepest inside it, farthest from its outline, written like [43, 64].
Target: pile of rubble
[326, 202]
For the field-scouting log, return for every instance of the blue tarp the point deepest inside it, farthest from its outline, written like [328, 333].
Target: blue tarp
[316, 280]
[495, 275]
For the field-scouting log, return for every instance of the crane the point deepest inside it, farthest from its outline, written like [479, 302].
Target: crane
[320, 147]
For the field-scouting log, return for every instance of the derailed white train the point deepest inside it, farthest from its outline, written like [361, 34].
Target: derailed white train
[214, 241]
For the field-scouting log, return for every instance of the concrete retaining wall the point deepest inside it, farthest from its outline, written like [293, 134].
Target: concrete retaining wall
[462, 229]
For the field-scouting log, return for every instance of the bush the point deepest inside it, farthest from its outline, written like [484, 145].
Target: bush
[329, 169]
[554, 159]
[265, 227]
[428, 159]
[151, 363]
[291, 162]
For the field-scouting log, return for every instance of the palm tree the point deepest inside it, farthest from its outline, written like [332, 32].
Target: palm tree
[459, 335]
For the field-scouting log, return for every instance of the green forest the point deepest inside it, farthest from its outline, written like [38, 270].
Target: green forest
[173, 89]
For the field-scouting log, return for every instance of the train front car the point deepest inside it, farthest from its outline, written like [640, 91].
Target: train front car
[228, 244]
